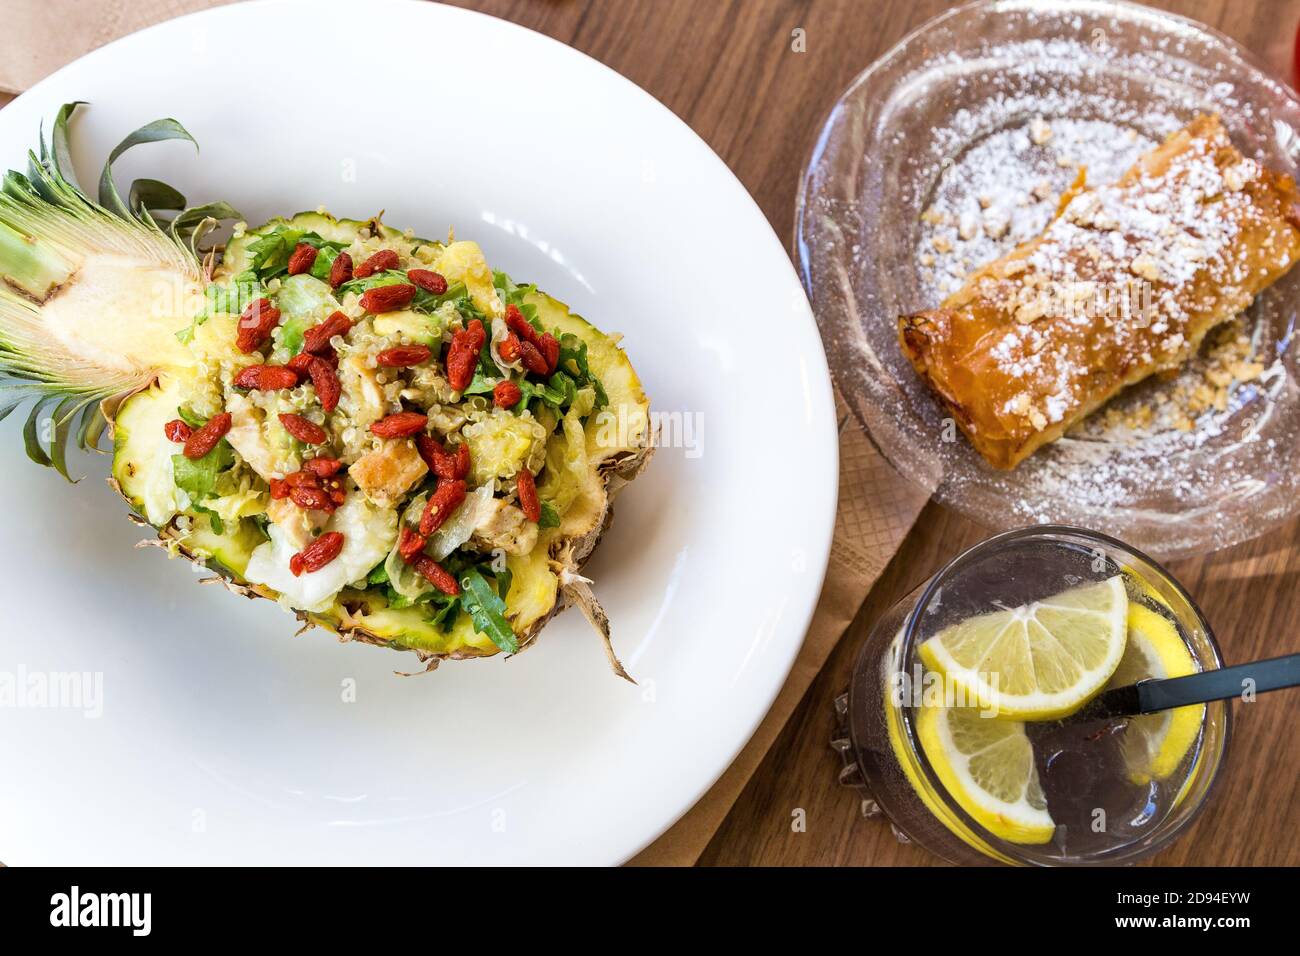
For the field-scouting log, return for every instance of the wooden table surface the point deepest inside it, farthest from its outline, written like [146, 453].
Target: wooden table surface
[729, 70]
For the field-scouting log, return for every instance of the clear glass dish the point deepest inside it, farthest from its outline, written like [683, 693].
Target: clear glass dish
[953, 148]
[1101, 816]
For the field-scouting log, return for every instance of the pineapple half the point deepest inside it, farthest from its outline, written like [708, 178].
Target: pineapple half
[113, 316]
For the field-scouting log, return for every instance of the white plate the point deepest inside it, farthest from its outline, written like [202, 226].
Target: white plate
[223, 740]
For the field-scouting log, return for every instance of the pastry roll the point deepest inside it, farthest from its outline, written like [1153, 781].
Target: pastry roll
[1125, 282]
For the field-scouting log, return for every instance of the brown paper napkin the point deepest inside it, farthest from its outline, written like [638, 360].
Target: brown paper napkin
[876, 507]
[42, 35]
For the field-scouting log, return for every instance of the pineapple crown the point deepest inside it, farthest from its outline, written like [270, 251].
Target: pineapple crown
[76, 276]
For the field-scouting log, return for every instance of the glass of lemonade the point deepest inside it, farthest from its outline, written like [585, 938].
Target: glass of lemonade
[956, 725]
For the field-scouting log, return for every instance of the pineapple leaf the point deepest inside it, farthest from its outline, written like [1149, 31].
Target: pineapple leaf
[149, 195]
[157, 131]
[60, 154]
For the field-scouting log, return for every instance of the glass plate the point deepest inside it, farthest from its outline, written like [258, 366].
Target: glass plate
[952, 149]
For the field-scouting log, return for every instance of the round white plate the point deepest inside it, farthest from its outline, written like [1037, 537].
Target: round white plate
[217, 737]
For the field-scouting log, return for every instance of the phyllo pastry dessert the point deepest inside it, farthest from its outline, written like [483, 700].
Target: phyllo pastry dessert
[1124, 282]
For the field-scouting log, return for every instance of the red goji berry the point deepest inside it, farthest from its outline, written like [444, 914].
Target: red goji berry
[410, 544]
[303, 429]
[463, 355]
[519, 324]
[340, 270]
[327, 384]
[255, 325]
[317, 554]
[508, 348]
[436, 574]
[445, 499]
[532, 359]
[177, 431]
[311, 498]
[427, 280]
[205, 439]
[506, 394]
[303, 258]
[527, 488]
[404, 356]
[265, 378]
[399, 424]
[322, 467]
[550, 349]
[317, 338]
[381, 261]
[388, 298]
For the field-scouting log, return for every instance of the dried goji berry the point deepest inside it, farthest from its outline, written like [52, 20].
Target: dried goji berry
[303, 429]
[532, 359]
[255, 325]
[462, 357]
[381, 261]
[436, 574]
[296, 478]
[506, 394]
[340, 269]
[518, 323]
[327, 384]
[404, 356]
[527, 488]
[317, 338]
[550, 349]
[322, 467]
[299, 363]
[508, 348]
[311, 498]
[205, 439]
[388, 298]
[427, 280]
[445, 499]
[177, 431]
[279, 488]
[266, 378]
[303, 258]
[317, 554]
[410, 544]
[441, 462]
[336, 491]
[400, 424]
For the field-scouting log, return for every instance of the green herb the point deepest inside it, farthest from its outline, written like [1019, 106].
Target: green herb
[550, 517]
[214, 519]
[189, 417]
[320, 268]
[291, 333]
[487, 610]
[233, 297]
[270, 252]
[198, 477]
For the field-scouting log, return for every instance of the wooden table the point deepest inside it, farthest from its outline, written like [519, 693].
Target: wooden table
[729, 70]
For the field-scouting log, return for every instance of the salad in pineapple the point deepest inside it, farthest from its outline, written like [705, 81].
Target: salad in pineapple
[375, 430]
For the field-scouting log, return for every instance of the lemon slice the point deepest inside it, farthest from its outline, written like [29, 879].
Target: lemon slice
[1154, 745]
[988, 767]
[1039, 661]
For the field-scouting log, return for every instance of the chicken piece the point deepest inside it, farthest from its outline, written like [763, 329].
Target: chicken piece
[363, 396]
[386, 473]
[298, 524]
[503, 527]
[252, 438]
